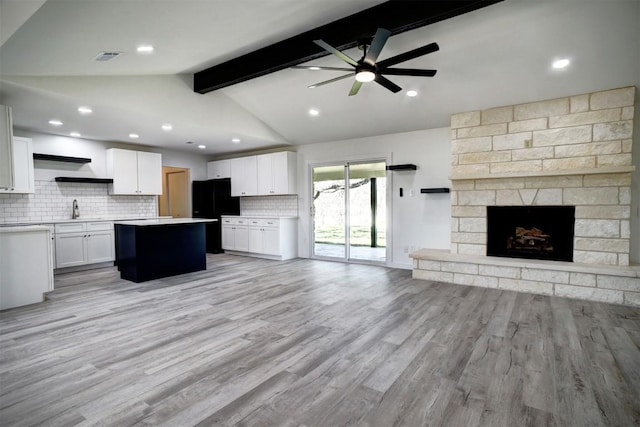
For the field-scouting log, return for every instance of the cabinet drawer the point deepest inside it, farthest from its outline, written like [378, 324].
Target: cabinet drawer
[75, 227]
[270, 222]
[98, 226]
[235, 221]
[264, 222]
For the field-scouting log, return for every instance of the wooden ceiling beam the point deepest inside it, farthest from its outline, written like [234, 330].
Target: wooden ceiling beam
[397, 16]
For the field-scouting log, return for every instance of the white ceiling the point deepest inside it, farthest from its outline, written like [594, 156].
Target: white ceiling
[494, 56]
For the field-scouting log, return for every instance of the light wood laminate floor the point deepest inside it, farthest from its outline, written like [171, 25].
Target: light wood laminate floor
[313, 343]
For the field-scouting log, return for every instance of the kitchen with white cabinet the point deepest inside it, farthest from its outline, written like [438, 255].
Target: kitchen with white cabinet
[44, 185]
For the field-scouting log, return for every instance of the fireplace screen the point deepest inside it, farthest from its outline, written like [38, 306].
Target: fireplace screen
[535, 232]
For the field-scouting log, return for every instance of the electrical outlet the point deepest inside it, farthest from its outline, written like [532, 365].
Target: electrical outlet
[527, 143]
[406, 249]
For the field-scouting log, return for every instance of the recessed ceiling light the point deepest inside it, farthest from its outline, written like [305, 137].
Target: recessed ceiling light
[85, 110]
[146, 48]
[314, 68]
[166, 127]
[55, 122]
[134, 136]
[75, 134]
[202, 147]
[314, 112]
[560, 63]
[235, 140]
[412, 93]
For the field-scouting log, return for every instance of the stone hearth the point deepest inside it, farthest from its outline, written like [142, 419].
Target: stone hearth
[570, 151]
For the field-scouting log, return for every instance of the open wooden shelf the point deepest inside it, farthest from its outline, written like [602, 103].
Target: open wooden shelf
[56, 158]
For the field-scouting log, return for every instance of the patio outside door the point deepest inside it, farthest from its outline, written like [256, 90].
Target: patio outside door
[349, 221]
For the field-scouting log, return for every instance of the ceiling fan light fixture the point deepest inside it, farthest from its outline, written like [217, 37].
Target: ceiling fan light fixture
[365, 76]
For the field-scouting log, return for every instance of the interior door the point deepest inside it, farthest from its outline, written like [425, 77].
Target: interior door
[178, 204]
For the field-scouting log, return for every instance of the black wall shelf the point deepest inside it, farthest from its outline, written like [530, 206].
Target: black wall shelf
[435, 190]
[84, 180]
[406, 167]
[56, 158]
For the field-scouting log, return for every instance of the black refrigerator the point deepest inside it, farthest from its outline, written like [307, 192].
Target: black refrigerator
[210, 199]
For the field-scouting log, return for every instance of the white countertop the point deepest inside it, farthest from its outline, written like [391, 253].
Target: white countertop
[165, 221]
[260, 216]
[81, 219]
[25, 228]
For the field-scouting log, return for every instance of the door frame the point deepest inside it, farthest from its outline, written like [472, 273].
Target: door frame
[372, 158]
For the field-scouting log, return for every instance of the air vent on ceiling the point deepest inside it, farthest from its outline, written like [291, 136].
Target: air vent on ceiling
[107, 56]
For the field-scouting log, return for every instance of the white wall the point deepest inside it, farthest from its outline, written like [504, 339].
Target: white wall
[96, 151]
[418, 221]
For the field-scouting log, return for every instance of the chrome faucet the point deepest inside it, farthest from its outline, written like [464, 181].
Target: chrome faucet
[76, 211]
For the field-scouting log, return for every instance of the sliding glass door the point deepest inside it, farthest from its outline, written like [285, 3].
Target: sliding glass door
[349, 211]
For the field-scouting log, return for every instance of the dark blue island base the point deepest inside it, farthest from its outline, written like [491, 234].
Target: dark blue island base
[153, 251]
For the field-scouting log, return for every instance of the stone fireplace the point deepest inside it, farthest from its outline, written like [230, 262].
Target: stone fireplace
[572, 153]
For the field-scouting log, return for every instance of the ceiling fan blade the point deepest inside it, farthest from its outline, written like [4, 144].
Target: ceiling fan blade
[387, 83]
[317, 67]
[377, 44]
[335, 51]
[326, 82]
[430, 48]
[408, 72]
[355, 88]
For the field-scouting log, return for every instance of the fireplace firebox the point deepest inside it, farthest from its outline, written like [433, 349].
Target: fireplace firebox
[533, 232]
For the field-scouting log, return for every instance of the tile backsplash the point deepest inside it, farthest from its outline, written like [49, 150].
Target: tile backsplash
[269, 205]
[52, 201]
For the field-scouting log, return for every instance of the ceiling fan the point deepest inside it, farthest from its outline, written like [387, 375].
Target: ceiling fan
[367, 69]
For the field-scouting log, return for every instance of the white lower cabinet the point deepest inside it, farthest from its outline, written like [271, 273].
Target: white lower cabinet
[235, 235]
[26, 266]
[274, 238]
[81, 243]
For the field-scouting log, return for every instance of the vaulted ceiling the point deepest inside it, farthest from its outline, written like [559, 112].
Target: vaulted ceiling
[497, 55]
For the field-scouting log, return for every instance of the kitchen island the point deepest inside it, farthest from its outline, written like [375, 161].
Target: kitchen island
[151, 249]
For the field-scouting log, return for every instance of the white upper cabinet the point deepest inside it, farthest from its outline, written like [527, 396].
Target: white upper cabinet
[6, 148]
[277, 173]
[22, 152]
[244, 176]
[219, 169]
[134, 172]
[149, 173]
